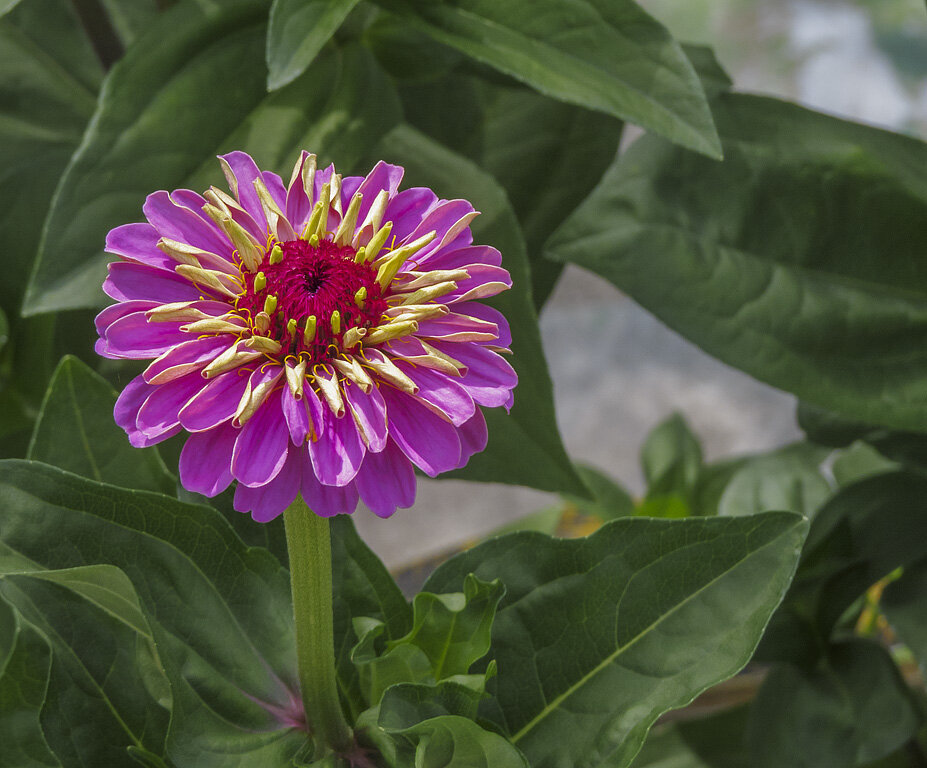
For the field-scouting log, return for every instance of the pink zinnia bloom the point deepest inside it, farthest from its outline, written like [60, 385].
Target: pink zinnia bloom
[321, 337]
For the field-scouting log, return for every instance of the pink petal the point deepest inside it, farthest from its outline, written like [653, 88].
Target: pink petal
[461, 258]
[261, 448]
[128, 281]
[458, 327]
[297, 203]
[444, 218]
[442, 392]
[297, 417]
[245, 172]
[386, 481]
[116, 312]
[270, 500]
[407, 210]
[491, 315]
[205, 460]
[178, 222]
[489, 378]
[135, 338]
[187, 357]
[473, 437]
[428, 440]
[337, 455]
[139, 242]
[217, 402]
[382, 176]
[158, 413]
[369, 413]
[484, 281]
[327, 500]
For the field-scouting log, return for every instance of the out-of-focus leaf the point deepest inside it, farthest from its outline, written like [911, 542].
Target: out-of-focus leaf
[525, 447]
[298, 30]
[220, 612]
[788, 479]
[95, 676]
[130, 18]
[714, 79]
[150, 133]
[49, 77]
[609, 500]
[716, 741]
[23, 681]
[852, 710]
[76, 431]
[606, 55]
[647, 614]
[671, 459]
[904, 606]
[858, 461]
[4, 329]
[797, 259]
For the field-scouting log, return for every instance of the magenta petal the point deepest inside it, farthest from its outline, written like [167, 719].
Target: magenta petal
[407, 210]
[489, 378]
[178, 222]
[473, 437]
[461, 258]
[369, 412]
[317, 410]
[135, 338]
[128, 281]
[382, 176]
[139, 242]
[297, 203]
[337, 455]
[116, 312]
[275, 186]
[130, 400]
[490, 314]
[483, 281]
[386, 481]
[187, 357]
[158, 413]
[441, 219]
[327, 500]
[245, 171]
[442, 392]
[427, 439]
[297, 417]
[205, 461]
[261, 447]
[216, 402]
[459, 327]
[268, 501]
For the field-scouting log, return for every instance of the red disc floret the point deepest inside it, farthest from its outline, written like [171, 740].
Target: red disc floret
[314, 280]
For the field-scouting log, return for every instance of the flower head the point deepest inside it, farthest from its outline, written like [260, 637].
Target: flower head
[320, 337]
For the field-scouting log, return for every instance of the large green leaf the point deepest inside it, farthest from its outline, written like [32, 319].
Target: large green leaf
[716, 741]
[853, 709]
[297, 31]
[797, 259]
[49, 79]
[95, 679]
[23, 682]
[606, 55]
[450, 741]
[789, 478]
[597, 637]
[76, 431]
[150, 133]
[525, 447]
[220, 612]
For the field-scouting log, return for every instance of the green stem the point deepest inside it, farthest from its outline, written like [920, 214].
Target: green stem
[308, 542]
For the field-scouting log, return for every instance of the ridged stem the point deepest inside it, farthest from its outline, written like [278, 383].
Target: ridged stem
[309, 545]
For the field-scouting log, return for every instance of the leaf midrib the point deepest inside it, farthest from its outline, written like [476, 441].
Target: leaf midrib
[555, 703]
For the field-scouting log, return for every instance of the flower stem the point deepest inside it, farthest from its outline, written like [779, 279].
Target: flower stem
[309, 545]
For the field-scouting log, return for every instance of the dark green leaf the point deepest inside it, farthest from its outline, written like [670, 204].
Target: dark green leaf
[130, 18]
[712, 482]
[455, 742]
[714, 79]
[788, 479]
[858, 461]
[854, 709]
[606, 55]
[405, 705]
[4, 329]
[220, 612]
[23, 680]
[904, 606]
[95, 678]
[671, 457]
[524, 447]
[149, 132]
[49, 77]
[298, 30]
[378, 670]
[797, 259]
[609, 500]
[76, 431]
[715, 741]
[597, 637]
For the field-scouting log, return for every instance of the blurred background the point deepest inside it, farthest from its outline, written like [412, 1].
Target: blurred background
[864, 60]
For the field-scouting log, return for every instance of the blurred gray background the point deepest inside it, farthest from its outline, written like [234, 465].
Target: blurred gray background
[861, 59]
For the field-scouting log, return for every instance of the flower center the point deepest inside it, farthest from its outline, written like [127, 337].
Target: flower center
[309, 296]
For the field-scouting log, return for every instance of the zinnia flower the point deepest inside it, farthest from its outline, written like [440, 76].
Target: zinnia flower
[321, 337]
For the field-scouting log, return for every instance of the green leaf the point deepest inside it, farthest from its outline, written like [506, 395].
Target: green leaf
[148, 132]
[455, 742]
[797, 259]
[23, 681]
[609, 500]
[858, 461]
[715, 741]
[75, 431]
[789, 478]
[853, 709]
[671, 459]
[49, 78]
[714, 79]
[645, 613]
[525, 447]
[298, 30]
[378, 670]
[605, 55]
[453, 629]
[95, 678]
[219, 611]
[903, 605]
[130, 18]
[4, 329]
[405, 705]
